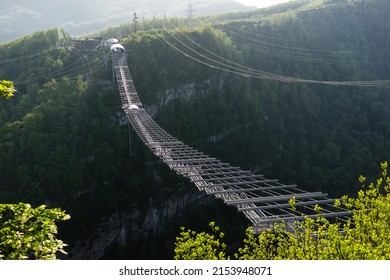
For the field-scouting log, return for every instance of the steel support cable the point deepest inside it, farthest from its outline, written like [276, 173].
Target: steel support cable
[40, 180]
[279, 48]
[303, 51]
[253, 36]
[306, 58]
[235, 66]
[284, 41]
[59, 72]
[272, 76]
[266, 37]
[246, 73]
[286, 54]
[274, 53]
[214, 54]
[252, 69]
[234, 69]
[194, 58]
[297, 50]
[16, 59]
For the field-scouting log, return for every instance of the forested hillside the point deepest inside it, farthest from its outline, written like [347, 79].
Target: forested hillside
[64, 140]
[320, 136]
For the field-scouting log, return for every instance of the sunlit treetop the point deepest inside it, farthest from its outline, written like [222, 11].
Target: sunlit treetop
[7, 89]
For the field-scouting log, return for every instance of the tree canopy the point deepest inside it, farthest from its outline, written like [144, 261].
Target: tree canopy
[7, 89]
[30, 233]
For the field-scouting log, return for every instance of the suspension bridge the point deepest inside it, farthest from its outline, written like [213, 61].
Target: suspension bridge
[263, 201]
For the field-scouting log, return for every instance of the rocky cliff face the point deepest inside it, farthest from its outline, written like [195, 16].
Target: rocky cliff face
[186, 92]
[119, 228]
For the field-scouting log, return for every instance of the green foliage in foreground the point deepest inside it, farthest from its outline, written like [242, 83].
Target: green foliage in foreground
[7, 89]
[201, 246]
[29, 233]
[366, 236]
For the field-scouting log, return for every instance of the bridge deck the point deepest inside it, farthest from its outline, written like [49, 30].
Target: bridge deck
[263, 201]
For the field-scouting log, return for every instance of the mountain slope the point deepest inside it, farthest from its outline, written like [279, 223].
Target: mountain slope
[19, 17]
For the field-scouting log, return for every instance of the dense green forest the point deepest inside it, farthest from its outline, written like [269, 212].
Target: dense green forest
[320, 136]
[64, 141]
